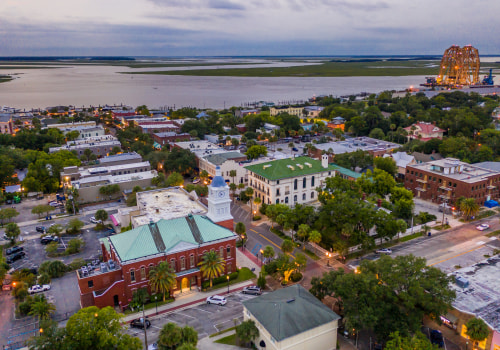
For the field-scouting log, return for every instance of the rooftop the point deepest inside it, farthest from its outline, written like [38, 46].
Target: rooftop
[86, 145]
[167, 236]
[345, 171]
[289, 167]
[114, 179]
[220, 158]
[166, 203]
[495, 166]
[110, 168]
[482, 296]
[358, 143]
[457, 170]
[287, 312]
[120, 157]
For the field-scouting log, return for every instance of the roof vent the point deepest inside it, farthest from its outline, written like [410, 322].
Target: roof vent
[300, 166]
[290, 167]
[308, 164]
[266, 166]
[290, 300]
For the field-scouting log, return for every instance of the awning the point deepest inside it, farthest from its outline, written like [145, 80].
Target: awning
[114, 221]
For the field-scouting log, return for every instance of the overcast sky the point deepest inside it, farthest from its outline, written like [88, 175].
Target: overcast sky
[246, 27]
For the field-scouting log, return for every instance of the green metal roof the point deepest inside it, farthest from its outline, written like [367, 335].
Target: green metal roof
[289, 167]
[345, 171]
[174, 234]
[287, 312]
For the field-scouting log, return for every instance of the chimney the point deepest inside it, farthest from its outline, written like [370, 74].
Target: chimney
[379, 203]
[324, 161]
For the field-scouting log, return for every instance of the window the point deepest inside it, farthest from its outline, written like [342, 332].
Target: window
[303, 196]
[312, 181]
[221, 252]
[172, 264]
[277, 192]
[143, 272]
[295, 184]
[304, 183]
[91, 283]
[286, 199]
[183, 263]
[312, 195]
[132, 275]
[295, 198]
[228, 251]
[191, 260]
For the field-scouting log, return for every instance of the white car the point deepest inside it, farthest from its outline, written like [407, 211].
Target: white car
[216, 299]
[482, 227]
[384, 251]
[38, 288]
[95, 221]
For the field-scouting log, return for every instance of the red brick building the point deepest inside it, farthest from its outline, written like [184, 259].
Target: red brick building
[150, 127]
[129, 257]
[166, 137]
[446, 180]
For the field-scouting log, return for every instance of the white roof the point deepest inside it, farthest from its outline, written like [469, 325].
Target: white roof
[401, 158]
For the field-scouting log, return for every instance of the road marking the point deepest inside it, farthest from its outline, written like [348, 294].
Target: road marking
[455, 256]
[203, 310]
[254, 231]
[480, 242]
[267, 239]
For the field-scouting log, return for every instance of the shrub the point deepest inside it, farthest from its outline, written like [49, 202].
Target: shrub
[256, 217]
[75, 264]
[271, 267]
[263, 208]
[44, 279]
[261, 281]
[239, 243]
[25, 307]
[53, 268]
[74, 246]
[296, 276]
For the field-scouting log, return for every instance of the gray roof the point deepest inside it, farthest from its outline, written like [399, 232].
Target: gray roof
[495, 166]
[287, 312]
[120, 157]
[424, 158]
[221, 158]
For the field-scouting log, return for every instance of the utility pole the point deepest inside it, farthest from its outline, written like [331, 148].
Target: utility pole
[444, 208]
[145, 327]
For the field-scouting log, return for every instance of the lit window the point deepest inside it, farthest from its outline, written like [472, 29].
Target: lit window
[143, 272]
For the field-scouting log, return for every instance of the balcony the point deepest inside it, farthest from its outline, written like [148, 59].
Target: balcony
[445, 188]
[423, 181]
[491, 187]
[421, 189]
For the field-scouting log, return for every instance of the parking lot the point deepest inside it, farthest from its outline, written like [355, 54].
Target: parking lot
[205, 318]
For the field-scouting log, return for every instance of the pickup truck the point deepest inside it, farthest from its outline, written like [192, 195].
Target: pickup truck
[38, 288]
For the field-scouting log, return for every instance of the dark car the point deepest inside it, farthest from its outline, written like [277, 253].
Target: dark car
[437, 338]
[295, 149]
[139, 323]
[15, 257]
[14, 250]
[40, 229]
[49, 239]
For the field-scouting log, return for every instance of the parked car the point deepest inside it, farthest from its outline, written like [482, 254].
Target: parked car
[216, 299]
[482, 227]
[295, 149]
[95, 221]
[139, 323]
[383, 251]
[55, 204]
[38, 288]
[40, 229]
[49, 239]
[15, 257]
[255, 290]
[437, 338]
[14, 250]
[196, 180]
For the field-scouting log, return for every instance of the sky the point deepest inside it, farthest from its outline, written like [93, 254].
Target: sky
[245, 27]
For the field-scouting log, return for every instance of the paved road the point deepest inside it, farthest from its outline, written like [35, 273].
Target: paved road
[6, 315]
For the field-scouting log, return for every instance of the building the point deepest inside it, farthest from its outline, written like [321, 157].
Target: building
[122, 158]
[292, 110]
[446, 180]
[130, 256]
[99, 145]
[86, 132]
[240, 113]
[163, 138]
[6, 125]
[200, 148]
[336, 123]
[119, 113]
[477, 291]
[71, 126]
[149, 127]
[402, 160]
[226, 161]
[74, 173]
[271, 127]
[424, 158]
[290, 181]
[376, 148]
[424, 131]
[312, 111]
[292, 318]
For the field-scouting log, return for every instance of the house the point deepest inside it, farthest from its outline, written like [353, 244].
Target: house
[424, 158]
[336, 123]
[313, 111]
[292, 318]
[290, 181]
[424, 131]
[402, 160]
[129, 257]
[6, 125]
[446, 180]
[226, 161]
[240, 113]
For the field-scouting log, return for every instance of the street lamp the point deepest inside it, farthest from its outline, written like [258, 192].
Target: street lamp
[261, 256]
[329, 255]
[227, 284]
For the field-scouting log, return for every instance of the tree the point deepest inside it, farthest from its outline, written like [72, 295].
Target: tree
[300, 261]
[314, 236]
[74, 226]
[233, 188]
[12, 231]
[257, 201]
[162, 278]
[54, 268]
[175, 179]
[100, 329]
[377, 133]
[211, 265]
[189, 336]
[477, 330]
[417, 342]
[42, 209]
[170, 336]
[469, 207]
[249, 193]
[74, 245]
[303, 233]
[232, 173]
[387, 164]
[101, 215]
[7, 214]
[256, 151]
[139, 297]
[287, 246]
[240, 229]
[247, 331]
[268, 252]
[42, 309]
[51, 248]
[55, 229]
[180, 160]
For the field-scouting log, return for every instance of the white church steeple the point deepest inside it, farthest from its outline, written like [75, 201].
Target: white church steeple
[219, 203]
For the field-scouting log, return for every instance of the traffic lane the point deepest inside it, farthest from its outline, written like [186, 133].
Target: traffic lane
[205, 318]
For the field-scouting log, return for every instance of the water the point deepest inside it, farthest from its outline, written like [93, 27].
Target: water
[85, 85]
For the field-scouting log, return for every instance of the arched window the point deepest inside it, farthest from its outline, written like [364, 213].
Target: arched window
[183, 263]
[286, 199]
[312, 181]
[172, 264]
[191, 260]
[132, 275]
[303, 196]
[312, 195]
[295, 184]
[295, 198]
[304, 184]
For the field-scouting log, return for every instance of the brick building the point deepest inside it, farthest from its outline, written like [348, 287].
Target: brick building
[129, 256]
[156, 127]
[162, 138]
[446, 180]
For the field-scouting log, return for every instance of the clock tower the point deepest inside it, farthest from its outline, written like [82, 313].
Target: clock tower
[219, 203]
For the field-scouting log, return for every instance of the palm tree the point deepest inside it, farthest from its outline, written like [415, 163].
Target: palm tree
[303, 233]
[232, 173]
[249, 193]
[257, 201]
[233, 188]
[287, 246]
[477, 330]
[268, 252]
[314, 237]
[162, 278]
[469, 207]
[211, 265]
[43, 309]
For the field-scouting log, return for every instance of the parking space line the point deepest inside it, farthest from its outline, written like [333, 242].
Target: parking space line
[202, 310]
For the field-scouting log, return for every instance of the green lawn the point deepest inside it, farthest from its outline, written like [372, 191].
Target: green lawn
[244, 275]
[229, 340]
